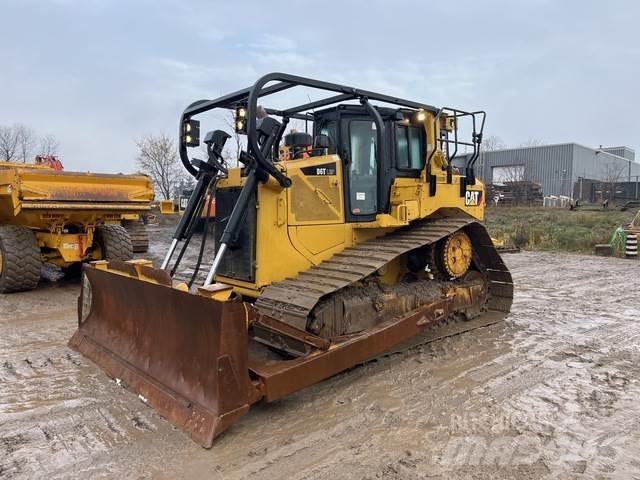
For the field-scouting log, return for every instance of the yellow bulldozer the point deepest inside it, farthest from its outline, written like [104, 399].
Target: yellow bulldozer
[361, 238]
[48, 215]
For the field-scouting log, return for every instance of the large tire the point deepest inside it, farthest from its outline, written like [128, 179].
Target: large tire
[139, 235]
[115, 243]
[20, 259]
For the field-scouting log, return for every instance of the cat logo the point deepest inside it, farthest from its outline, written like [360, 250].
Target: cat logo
[472, 198]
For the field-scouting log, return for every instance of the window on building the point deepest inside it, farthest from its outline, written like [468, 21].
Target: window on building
[507, 173]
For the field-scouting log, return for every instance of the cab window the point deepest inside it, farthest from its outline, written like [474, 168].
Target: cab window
[330, 130]
[409, 147]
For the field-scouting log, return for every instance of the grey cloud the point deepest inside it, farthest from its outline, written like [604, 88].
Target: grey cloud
[98, 74]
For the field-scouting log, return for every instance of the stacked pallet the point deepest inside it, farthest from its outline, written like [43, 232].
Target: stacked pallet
[516, 193]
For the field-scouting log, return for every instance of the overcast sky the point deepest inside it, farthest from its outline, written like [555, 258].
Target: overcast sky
[98, 74]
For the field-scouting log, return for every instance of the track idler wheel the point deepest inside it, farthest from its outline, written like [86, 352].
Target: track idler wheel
[454, 254]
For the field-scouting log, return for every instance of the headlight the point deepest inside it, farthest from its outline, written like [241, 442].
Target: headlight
[191, 133]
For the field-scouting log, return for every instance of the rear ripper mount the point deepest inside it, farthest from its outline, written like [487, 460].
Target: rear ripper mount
[199, 357]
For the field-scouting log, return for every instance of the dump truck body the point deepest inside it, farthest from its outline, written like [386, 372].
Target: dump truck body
[65, 210]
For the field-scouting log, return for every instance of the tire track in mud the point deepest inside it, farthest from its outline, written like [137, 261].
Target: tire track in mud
[550, 371]
[588, 417]
[408, 403]
[371, 405]
[585, 377]
[26, 377]
[59, 414]
[505, 383]
[69, 434]
[80, 417]
[511, 381]
[55, 409]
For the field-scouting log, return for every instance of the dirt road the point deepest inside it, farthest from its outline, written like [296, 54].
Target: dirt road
[551, 393]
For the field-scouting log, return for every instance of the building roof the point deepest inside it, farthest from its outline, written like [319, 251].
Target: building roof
[617, 147]
[595, 150]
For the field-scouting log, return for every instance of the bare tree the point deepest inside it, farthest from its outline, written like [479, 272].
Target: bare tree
[8, 143]
[49, 145]
[509, 181]
[186, 182]
[611, 175]
[532, 142]
[20, 142]
[158, 157]
[513, 173]
[491, 143]
[26, 139]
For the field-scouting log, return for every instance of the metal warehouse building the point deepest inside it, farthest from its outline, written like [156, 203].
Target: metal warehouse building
[560, 169]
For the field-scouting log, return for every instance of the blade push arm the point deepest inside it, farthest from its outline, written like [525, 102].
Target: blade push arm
[206, 173]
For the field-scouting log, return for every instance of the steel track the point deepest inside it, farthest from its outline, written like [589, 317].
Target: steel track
[292, 300]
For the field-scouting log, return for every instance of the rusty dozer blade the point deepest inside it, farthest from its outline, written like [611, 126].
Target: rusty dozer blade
[199, 360]
[183, 354]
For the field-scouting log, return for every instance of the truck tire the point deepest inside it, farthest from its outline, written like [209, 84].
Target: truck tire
[115, 243]
[20, 259]
[138, 234]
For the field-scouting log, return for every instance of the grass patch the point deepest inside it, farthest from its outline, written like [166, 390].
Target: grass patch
[537, 228]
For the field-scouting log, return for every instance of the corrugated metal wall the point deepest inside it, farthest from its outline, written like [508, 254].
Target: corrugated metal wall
[624, 152]
[549, 165]
[599, 165]
[556, 167]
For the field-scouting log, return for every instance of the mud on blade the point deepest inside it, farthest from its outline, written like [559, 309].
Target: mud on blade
[184, 354]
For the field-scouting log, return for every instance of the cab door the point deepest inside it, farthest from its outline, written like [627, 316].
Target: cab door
[359, 153]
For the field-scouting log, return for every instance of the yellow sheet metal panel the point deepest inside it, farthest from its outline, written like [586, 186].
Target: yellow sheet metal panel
[71, 247]
[315, 200]
[316, 196]
[24, 186]
[71, 206]
[167, 207]
[71, 186]
[276, 258]
[317, 239]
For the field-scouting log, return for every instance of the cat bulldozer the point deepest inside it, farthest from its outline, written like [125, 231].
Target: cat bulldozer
[361, 239]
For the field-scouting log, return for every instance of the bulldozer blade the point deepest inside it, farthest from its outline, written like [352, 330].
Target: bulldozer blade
[185, 355]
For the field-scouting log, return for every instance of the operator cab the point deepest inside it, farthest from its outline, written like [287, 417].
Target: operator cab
[370, 171]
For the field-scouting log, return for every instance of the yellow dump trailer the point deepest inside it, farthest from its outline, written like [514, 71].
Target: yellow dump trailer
[63, 218]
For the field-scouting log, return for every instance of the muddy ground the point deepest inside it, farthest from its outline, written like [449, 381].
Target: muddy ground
[553, 392]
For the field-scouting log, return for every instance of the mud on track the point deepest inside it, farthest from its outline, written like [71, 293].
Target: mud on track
[552, 392]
